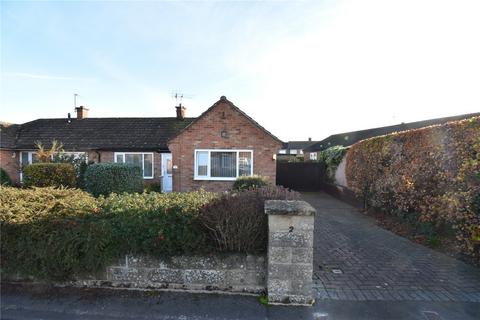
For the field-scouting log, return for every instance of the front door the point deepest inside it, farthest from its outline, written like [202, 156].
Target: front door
[166, 172]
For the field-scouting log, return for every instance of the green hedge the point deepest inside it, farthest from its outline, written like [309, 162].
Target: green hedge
[431, 175]
[58, 233]
[105, 178]
[252, 182]
[332, 158]
[49, 175]
[5, 178]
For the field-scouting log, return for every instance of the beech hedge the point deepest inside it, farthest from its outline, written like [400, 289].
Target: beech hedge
[432, 173]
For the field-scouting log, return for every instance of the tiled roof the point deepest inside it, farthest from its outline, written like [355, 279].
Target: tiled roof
[122, 134]
[349, 138]
[8, 133]
[299, 145]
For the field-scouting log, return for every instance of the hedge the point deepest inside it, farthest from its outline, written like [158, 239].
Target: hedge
[250, 182]
[105, 178]
[49, 175]
[59, 233]
[236, 222]
[432, 174]
[5, 178]
[332, 158]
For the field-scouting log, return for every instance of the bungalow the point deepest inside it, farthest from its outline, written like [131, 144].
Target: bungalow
[179, 153]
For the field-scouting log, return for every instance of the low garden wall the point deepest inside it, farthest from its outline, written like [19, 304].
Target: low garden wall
[231, 273]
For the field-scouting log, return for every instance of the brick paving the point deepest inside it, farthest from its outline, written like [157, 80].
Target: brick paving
[376, 264]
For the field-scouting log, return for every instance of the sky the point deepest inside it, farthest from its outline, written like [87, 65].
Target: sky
[300, 68]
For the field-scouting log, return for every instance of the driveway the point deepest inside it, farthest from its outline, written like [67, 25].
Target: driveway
[356, 260]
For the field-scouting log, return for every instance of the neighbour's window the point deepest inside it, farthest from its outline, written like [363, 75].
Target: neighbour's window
[28, 157]
[282, 151]
[223, 164]
[313, 156]
[139, 159]
[293, 151]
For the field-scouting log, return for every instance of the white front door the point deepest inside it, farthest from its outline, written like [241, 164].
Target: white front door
[166, 172]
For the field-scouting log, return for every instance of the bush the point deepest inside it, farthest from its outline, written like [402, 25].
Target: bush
[251, 182]
[105, 178]
[49, 175]
[4, 178]
[236, 222]
[432, 173]
[332, 158]
[59, 233]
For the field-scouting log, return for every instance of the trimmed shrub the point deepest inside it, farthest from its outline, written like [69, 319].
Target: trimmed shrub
[59, 233]
[105, 178]
[251, 182]
[236, 222]
[332, 158]
[49, 175]
[4, 178]
[430, 173]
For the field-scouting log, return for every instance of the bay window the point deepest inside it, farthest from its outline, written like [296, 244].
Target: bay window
[139, 159]
[217, 164]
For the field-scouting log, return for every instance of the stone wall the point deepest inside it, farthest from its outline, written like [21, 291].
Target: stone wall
[234, 273]
[290, 252]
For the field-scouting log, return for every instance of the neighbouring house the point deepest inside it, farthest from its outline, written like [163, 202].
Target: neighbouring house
[348, 138]
[292, 150]
[179, 153]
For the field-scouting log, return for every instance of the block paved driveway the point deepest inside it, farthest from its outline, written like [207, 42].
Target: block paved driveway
[376, 264]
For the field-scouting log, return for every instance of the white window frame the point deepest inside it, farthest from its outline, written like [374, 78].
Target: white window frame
[293, 151]
[313, 156]
[208, 177]
[143, 161]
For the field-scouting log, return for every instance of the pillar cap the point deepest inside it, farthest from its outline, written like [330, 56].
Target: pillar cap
[289, 208]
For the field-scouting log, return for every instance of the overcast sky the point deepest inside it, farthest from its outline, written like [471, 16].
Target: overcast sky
[300, 68]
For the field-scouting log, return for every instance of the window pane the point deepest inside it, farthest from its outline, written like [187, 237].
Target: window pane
[169, 166]
[135, 159]
[244, 163]
[148, 165]
[202, 163]
[119, 158]
[34, 158]
[223, 164]
[24, 158]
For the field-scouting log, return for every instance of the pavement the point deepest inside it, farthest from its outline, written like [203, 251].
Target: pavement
[362, 272]
[39, 302]
[356, 260]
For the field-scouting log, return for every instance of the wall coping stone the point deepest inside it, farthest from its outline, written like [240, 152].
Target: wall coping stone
[289, 207]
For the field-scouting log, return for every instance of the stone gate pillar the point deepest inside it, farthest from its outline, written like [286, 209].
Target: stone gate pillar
[290, 252]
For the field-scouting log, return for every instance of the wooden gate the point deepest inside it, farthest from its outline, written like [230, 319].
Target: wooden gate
[302, 176]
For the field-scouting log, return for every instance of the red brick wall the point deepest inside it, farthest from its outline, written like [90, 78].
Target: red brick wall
[206, 134]
[11, 165]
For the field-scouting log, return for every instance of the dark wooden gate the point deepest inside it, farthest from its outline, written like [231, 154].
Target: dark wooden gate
[302, 176]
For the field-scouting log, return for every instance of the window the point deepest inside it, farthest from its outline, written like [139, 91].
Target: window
[27, 157]
[282, 151]
[313, 156]
[223, 164]
[293, 151]
[139, 159]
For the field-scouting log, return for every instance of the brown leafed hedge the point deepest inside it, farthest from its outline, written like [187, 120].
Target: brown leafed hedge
[431, 173]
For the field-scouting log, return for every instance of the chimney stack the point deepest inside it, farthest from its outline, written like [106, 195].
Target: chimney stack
[180, 112]
[82, 112]
[309, 139]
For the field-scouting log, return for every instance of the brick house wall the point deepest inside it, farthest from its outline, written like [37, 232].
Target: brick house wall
[205, 133]
[11, 164]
